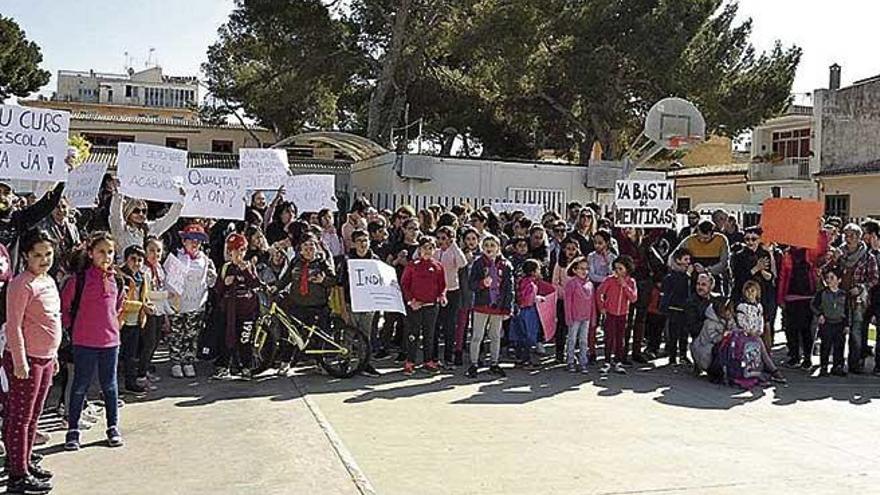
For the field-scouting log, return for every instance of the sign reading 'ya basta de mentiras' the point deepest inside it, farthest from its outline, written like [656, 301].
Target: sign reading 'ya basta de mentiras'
[644, 203]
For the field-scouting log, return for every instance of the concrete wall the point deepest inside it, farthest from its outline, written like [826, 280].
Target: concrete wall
[864, 199]
[803, 190]
[848, 125]
[730, 189]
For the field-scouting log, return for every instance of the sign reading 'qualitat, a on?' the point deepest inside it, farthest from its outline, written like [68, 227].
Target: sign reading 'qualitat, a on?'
[644, 203]
[214, 193]
[33, 143]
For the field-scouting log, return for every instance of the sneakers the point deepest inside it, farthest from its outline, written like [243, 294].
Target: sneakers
[619, 369]
[471, 371]
[147, 384]
[777, 377]
[283, 369]
[39, 473]
[625, 362]
[823, 372]
[584, 370]
[220, 374]
[370, 371]
[409, 368]
[539, 349]
[807, 364]
[571, 368]
[792, 362]
[153, 377]
[605, 368]
[381, 354]
[189, 371]
[401, 357]
[28, 484]
[246, 374]
[114, 438]
[136, 389]
[71, 441]
[638, 358]
[838, 371]
[42, 438]
[497, 371]
[176, 371]
[432, 367]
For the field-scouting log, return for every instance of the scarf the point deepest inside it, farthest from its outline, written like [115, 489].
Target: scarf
[304, 279]
[495, 275]
[851, 259]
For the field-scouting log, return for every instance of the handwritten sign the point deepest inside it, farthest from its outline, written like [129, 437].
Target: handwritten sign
[84, 184]
[312, 192]
[532, 211]
[214, 193]
[263, 168]
[793, 222]
[151, 172]
[33, 143]
[374, 287]
[644, 203]
[175, 274]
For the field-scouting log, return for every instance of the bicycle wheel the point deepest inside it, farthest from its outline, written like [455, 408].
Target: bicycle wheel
[355, 351]
[265, 343]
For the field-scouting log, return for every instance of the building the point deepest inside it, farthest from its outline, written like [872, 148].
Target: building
[782, 162]
[847, 146]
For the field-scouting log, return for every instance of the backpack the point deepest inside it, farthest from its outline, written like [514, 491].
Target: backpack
[79, 279]
[740, 359]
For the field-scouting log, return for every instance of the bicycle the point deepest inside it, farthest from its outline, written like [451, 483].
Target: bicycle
[341, 350]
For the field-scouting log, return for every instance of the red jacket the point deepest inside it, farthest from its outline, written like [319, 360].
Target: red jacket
[423, 281]
[615, 297]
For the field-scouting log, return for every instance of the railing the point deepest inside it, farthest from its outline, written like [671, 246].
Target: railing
[789, 169]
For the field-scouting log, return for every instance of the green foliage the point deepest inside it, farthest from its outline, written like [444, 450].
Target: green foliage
[20, 72]
[83, 150]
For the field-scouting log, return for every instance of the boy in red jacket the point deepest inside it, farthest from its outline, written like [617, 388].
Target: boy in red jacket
[614, 297]
[424, 291]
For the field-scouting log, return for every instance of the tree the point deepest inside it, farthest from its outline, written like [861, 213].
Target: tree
[20, 72]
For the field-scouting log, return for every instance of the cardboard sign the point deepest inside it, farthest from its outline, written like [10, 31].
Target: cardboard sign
[263, 168]
[151, 172]
[547, 313]
[644, 203]
[374, 287]
[312, 192]
[213, 193]
[534, 212]
[175, 274]
[33, 143]
[84, 184]
[792, 221]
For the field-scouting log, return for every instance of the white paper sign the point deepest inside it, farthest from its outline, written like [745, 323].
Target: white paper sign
[84, 184]
[644, 203]
[213, 193]
[374, 287]
[175, 274]
[151, 172]
[263, 168]
[534, 212]
[312, 192]
[33, 143]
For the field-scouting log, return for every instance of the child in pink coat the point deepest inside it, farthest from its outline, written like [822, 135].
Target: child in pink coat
[580, 311]
[615, 295]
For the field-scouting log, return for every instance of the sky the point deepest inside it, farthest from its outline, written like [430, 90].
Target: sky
[91, 34]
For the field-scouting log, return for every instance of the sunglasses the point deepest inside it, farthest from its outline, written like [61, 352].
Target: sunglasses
[752, 238]
[140, 211]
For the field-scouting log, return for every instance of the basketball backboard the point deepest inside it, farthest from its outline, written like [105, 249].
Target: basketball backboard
[675, 123]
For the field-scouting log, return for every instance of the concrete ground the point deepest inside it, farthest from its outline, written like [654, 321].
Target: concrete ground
[652, 431]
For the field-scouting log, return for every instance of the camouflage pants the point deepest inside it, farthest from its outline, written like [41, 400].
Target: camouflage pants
[184, 337]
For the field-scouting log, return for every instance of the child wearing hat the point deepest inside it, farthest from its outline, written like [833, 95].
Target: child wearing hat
[189, 304]
[236, 290]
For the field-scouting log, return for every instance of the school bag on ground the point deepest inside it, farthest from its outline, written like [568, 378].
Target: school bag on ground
[741, 360]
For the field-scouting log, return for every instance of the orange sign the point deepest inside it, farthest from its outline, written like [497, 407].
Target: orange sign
[792, 221]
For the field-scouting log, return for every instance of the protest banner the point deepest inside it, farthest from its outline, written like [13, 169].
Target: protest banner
[547, 313]
[175, 274]
[213, 192]
[151, 172]
[532, 211]
[793, 222]
[374, 287]
[263, 168]
[312, 192]
[84, 184]
[33, 143]
[644, 203]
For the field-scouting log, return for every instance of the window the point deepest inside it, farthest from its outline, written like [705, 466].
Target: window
[837, 205]
[107, 139]
[220, 146]
[682, 205]
[128, 91]
[792, 144]
[776, 191]
[173, 142]
[109, 96]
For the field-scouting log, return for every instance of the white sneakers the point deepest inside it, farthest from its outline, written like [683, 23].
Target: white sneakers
[189, 371]
[176, 371]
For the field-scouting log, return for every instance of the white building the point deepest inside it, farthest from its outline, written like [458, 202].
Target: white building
[147, 88]
[782, 157]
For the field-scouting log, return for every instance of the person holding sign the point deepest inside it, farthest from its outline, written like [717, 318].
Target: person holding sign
[15, 222]
[424, 290]
[362, 320]
[491, 278]
[129, 224]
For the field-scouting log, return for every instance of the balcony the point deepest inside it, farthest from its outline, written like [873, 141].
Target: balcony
[787, 169]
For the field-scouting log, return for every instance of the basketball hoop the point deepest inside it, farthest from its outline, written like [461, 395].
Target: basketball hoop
[676, 143]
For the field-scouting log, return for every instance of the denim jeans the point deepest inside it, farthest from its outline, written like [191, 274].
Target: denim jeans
[86, 362]
[577, 336]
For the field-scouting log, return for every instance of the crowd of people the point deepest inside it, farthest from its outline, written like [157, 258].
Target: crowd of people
[86, 293]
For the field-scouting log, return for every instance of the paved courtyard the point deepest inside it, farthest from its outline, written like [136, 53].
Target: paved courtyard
[651, 431]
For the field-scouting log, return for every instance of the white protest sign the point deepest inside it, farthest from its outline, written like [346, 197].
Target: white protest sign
[534, 212]
[644, 203]
[33, 143]
[84, 183]
[374, 287]
[151, 172]
[263, 168]
[175, 274]
[312, 192]
[214, 193]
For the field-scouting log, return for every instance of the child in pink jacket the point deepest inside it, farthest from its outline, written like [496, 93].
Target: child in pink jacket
[615, 295]
[580, 311]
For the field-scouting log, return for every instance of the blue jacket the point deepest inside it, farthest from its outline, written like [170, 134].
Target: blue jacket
[499, 298]
[675, 291]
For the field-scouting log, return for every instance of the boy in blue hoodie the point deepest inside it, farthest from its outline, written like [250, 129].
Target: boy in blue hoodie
[675, 291]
